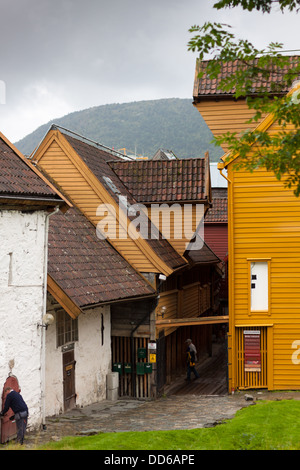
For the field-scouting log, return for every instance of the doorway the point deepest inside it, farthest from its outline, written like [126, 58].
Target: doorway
[69, 380]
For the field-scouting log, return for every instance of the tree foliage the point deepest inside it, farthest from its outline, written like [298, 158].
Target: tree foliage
[274, 71]
[264, 5]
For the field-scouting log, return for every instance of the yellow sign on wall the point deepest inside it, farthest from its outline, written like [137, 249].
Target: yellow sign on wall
[152, 357]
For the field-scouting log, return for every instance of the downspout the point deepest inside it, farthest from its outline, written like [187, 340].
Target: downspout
[43, 349]
[230, 347]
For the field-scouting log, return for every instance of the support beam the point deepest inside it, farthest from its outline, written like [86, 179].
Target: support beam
[191, 321]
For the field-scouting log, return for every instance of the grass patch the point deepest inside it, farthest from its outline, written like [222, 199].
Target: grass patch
[272, 425]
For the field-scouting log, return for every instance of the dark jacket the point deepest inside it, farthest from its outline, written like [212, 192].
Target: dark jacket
[14, 401]
[191, 354]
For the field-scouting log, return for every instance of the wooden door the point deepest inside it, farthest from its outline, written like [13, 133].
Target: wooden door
[69, 380]
[8, 427]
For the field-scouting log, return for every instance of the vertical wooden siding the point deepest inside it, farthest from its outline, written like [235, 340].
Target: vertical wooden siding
[251, 379]
[130, 383]
[216, 237]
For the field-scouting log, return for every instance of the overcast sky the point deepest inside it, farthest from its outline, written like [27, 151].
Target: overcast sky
[59, 56]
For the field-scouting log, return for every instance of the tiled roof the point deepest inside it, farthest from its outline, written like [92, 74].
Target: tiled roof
[206, 86]
[96, 159]
[152, 181]
[218, 212]
[88, 269]
[17, 178]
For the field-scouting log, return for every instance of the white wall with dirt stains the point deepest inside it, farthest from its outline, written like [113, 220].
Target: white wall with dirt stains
[92, 353]
[22, 259]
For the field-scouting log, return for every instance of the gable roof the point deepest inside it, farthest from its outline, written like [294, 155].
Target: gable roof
[155, 181]
[97, 160]
[21, 181]
[95, 163]
[164, 154]
[205, 87]
[88, 269]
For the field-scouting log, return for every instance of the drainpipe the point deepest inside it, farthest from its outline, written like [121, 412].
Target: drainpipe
[230, 333]
[43, 345]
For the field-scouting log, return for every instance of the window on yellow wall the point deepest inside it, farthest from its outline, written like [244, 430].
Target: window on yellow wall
[259, 288]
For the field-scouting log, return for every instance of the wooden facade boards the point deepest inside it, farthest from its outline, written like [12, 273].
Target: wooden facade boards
[264, 229]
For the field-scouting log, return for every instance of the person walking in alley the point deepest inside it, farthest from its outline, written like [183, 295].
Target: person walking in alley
[191, 356]
[15, 401]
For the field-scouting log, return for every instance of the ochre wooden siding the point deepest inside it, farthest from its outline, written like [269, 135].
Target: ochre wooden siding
[178, 223]
[189, 302]
[76, 185]
[264, 224]
[226, 115]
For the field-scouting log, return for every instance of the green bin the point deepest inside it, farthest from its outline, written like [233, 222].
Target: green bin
[127, 368]
[142, 352]
[117, 367]
[140, 368]
[148, 368]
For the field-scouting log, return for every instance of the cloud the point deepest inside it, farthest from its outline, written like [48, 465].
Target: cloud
[60, 56]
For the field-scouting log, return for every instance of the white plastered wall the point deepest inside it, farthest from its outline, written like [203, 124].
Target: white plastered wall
[22, 257]
[93, 360]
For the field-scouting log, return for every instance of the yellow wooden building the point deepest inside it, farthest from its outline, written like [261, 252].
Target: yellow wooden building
[264, 263]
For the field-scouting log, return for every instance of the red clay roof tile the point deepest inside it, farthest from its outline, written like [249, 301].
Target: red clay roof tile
[18, 179]
[205, 86]
[153, 181]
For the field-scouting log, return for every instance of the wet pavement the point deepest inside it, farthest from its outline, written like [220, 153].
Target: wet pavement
[166, 413]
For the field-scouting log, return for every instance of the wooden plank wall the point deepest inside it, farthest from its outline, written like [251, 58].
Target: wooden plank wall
[265, 225]
[226, 114]
[131, 384]
[176, 348]
[189, 302]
